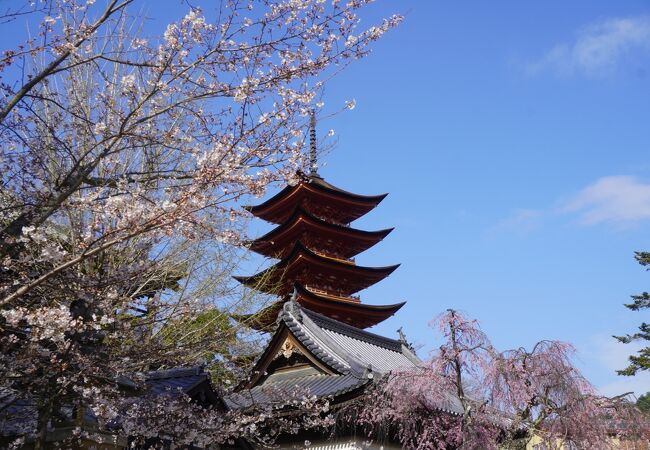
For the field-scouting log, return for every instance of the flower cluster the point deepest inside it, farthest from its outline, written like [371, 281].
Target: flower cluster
[469, 395]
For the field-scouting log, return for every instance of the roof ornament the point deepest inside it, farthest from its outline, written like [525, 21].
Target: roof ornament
[402, 339]
[292, 307]
[369, 372]
[313, 161]
[402, 336]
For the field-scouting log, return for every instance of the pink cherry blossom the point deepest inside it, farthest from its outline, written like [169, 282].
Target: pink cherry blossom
[469, 395]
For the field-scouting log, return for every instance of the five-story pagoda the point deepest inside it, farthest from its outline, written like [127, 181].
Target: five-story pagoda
[316, 247]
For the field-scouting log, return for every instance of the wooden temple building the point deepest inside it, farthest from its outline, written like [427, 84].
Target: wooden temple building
[319, 345]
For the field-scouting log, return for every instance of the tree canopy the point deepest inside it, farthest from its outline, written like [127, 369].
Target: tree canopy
[643, 402]
[640, 361]
[470, 395]
[122, 158]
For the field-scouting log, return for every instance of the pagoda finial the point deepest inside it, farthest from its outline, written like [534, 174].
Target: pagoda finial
[313, 162]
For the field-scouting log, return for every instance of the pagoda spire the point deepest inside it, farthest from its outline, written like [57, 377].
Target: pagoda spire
[313, 161]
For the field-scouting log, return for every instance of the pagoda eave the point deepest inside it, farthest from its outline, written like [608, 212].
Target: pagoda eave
[278, 279]
[263, 320]
[359, 315]
[312, 191]
[278, 242]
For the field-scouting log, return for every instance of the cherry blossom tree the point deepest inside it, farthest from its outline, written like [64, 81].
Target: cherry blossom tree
[469, 395]
[122, 158]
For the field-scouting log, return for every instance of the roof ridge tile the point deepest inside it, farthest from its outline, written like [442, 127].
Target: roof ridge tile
[348, 330]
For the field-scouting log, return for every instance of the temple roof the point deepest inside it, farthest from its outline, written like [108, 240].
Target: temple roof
[18, 415]
[350, 311]
[192, 381]
[341, 347]
[340, 361]
[302, 225]
[318, 385]
[303, 266]
[314, 193]
[339, 358]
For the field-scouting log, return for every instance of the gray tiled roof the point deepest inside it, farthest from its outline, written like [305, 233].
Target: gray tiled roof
[368, 349]
[354, 355]
[18, 415]
[294, 388]
[355, 349]
[373, 356]
[179, 380]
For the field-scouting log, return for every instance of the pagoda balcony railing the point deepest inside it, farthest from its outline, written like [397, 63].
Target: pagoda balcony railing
[350, 261]
[328, 218]
[316, 290]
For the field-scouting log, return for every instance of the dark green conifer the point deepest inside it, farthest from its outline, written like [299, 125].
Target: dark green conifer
[641, 360]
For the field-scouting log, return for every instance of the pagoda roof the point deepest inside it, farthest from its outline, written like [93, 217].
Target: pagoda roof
[278, 242]
[304, 266]
[349, 311]
[343, 206]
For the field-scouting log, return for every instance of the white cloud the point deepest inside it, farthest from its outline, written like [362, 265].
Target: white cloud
[619, 200]
[598, 48]
[612, 199]
[637, 384]
[613, 355]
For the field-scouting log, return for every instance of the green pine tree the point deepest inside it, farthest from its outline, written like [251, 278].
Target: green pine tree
[643, 403]
[641, 360]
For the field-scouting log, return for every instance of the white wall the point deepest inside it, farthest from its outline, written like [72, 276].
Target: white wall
[339, 444]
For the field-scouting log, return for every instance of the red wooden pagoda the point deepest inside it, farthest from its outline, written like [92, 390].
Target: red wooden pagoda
[316, 246]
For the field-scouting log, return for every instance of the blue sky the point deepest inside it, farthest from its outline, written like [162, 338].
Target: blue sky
[513, 141]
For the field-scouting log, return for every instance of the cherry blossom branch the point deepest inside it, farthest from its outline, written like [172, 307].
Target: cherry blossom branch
[50, 68]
